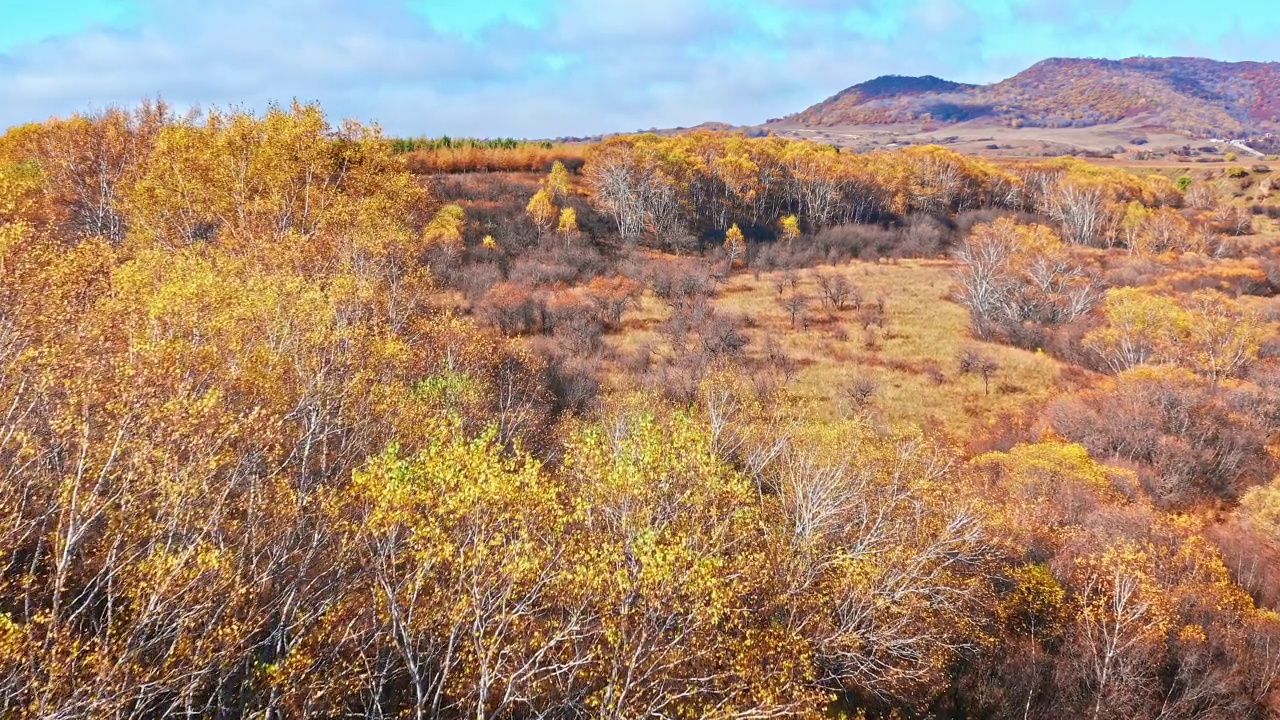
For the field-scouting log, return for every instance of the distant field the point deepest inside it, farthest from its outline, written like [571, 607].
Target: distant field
[976, 138]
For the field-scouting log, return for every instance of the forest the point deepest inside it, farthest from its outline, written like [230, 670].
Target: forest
[302, 421]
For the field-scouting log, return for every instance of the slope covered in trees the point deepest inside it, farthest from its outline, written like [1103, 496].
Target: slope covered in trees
[288, 431]
[1203, 97]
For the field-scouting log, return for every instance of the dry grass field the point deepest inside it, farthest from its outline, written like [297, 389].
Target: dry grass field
[987, 139]
[974, 137]
[909, 365]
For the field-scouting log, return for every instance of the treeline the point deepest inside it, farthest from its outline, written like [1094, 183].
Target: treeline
[444, 142]
[448, 155]
[659, 188]
[253, 464]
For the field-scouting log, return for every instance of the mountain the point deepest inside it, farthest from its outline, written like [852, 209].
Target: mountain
[891, 86]
[1205, 98]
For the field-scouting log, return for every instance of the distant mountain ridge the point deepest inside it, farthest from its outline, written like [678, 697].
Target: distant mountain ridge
[1202, 97]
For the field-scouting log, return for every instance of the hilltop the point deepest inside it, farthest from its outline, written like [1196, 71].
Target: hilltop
[1193, 96]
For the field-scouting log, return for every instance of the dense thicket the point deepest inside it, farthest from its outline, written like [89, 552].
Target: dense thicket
[661, 190]
[255, 463]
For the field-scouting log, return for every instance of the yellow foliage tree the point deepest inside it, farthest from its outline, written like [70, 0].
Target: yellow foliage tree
[558, 182]
[1260, 507]
[677, 546]
[541, 211]
[287, 175]
[735, 245]
[446, 227]
[1224, 338]
[1141, 328]
[1135, 215]
[789, 226]
[568, 223]
[1122, 616]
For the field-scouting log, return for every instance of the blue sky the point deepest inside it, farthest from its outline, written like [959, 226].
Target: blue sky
[543, 68]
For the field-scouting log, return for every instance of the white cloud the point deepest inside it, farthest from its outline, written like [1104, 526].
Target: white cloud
[590, 66]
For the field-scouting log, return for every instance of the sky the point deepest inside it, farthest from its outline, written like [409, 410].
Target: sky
[550, 68]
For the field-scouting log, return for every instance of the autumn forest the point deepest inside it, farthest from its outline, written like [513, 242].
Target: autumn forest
[302, 421]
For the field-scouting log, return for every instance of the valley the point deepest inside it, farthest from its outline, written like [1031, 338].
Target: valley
[848, 415]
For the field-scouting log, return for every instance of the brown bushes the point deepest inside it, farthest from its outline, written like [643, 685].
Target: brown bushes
[1194, 441]
[922, 236]
[513, 308]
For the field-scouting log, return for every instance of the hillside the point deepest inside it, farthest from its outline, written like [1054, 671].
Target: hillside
[1205, 98]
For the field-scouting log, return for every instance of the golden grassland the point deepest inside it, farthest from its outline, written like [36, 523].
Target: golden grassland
[913, 362]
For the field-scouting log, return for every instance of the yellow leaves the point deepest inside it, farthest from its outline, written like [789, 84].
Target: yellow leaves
[289, 670]
[1260, 508]
[789, 228]
[1192, 634]
[1037, 604]
[20, 184]
[1135, 218]
[1224, 338]
[446, 227]
[941, 180]
[87, 163]
[1114, 179]
[642, 463]
[449, 480]
[680, 565]
[735, 245]
[557, 181]
[47, 287]
[1208, 332]
[1200, 569]
[1160, 191]
[542, 206]
[1036, 472]
[1040, 494]
[646, 477]
[1141, 311]
[204, 390]
[248, 180]
[1025, 242]
[541, 211]
[14, 239]
[737, 170]
[12, 640]
[208, 411]
[1121, 595]
[568, 223]
[220, 302]
[1141, 328]
[717, 179]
